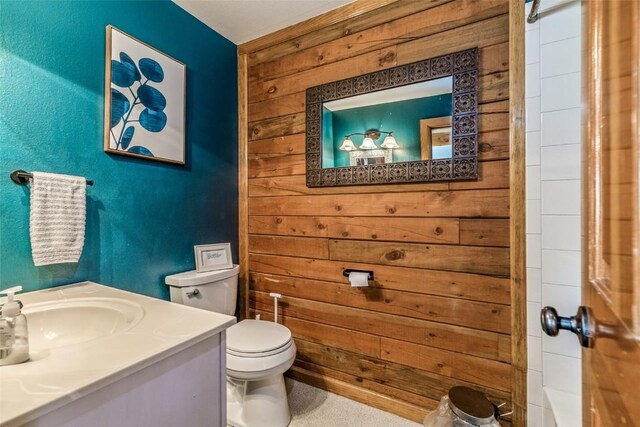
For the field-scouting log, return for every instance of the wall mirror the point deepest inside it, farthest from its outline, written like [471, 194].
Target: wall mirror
[412, 123]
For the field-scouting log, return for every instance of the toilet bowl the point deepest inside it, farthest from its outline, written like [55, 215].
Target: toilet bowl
[258, 352]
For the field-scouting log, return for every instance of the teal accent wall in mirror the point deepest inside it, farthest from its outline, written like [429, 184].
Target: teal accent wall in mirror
[401, 117]
[411, 123]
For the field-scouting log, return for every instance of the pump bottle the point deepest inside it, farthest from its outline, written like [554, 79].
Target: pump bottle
[14, 335]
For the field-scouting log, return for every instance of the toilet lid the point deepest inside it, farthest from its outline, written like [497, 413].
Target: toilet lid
[257, 336]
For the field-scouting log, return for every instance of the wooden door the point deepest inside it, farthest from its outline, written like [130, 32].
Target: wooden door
[611, 368]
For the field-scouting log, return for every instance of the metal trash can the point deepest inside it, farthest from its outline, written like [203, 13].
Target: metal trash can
[464, 407]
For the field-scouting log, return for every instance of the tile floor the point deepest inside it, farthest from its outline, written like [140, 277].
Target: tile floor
[313, 407]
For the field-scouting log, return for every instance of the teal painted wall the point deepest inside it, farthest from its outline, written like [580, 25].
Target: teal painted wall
[327, 138]
[402, 117]
[143, 217]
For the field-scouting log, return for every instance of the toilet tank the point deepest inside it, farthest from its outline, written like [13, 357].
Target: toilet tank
[211, 290]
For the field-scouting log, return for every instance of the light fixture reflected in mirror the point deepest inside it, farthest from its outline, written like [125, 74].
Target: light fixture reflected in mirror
[348, 145]
[368, 144]
[389, 142]
[370, 136]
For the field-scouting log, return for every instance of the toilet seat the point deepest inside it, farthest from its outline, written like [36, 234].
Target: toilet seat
[261, 353]
[257, 338]
[257, 349]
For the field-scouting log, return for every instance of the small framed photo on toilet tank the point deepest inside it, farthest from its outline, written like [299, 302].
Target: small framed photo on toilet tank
[213, 257]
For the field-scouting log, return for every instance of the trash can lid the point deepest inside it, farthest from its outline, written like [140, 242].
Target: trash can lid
[471, 405]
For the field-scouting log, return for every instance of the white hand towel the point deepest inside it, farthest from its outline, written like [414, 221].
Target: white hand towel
[58, 216]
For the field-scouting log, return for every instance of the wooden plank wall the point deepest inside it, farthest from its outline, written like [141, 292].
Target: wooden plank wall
[438, 313]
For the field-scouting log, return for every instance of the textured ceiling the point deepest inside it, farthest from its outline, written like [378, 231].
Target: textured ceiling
[243, 20]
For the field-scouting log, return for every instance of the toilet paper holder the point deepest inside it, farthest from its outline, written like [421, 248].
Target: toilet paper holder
[347, 271]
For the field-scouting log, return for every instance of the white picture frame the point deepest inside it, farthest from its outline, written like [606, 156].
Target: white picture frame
[213, 257]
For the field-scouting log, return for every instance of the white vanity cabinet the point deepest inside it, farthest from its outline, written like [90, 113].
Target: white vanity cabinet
[165, 368]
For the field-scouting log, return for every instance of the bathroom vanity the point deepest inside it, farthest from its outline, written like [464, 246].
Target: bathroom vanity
[101, 356]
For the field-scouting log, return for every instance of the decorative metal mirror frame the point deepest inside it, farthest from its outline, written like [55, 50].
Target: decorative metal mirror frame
[463, 165]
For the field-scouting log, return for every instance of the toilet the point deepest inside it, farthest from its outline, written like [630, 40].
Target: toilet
[258, 352]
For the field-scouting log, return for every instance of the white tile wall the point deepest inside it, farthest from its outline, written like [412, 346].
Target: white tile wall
[534, 387]
[532, 85]
[533, 185]
[534, 251]
[561, 372]
[532, 121]
[560, 162]
[561, 197]
[561, 57]
[561, 267]
[534, 284]
[560, 92]
[533, 319]
[561, 232]
[534, 416]
[562, 23]
[553, 151]
[565, 344]
[560, 127]
[533, 148]
[533, 208]
[532, 47]
[535, 353]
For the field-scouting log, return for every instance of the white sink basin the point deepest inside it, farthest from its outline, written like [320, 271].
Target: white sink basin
[56, 324]
[96, 352]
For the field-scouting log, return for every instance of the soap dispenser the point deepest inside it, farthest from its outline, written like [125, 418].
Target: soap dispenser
[14, 336]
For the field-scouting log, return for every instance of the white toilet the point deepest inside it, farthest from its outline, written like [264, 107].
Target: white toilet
[258, 352]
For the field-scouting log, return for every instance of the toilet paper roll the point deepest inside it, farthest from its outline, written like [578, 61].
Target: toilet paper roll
[358, 279]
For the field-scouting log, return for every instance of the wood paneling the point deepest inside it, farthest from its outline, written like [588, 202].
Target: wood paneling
[437, 313]
[243, 190]
[312, 25]
[413, 26]
[469, 259]
[433, 282]
[291, 246]
[425, 230]
[427, 307]
[493, 175]
[422, 382]
[472, 369]
[484, 232]
[517, 214]
[470, 203]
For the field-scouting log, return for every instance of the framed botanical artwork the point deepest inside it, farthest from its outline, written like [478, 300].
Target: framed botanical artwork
[213, 257]
[144, 100]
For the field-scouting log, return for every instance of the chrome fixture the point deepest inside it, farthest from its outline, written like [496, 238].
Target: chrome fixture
[193, 293]
[581, 324]
[533, 14]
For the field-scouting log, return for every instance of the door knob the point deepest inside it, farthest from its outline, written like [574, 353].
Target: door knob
[581, 324]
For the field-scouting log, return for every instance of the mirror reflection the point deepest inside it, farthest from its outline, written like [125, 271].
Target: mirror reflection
[401, 124]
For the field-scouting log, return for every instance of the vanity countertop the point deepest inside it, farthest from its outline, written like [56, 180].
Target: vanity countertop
[54, 377]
